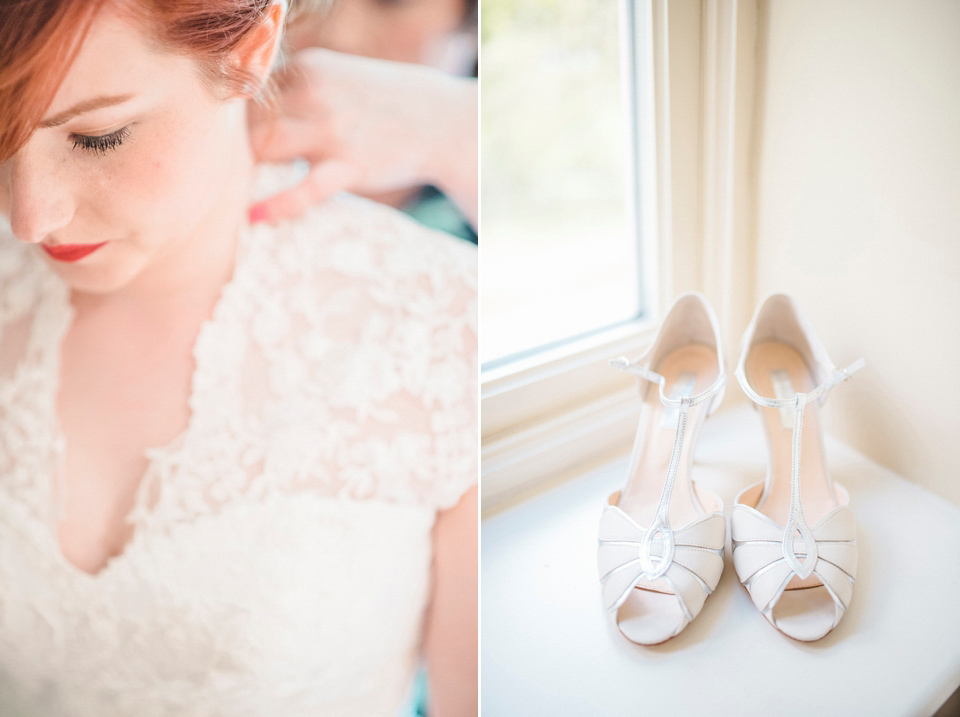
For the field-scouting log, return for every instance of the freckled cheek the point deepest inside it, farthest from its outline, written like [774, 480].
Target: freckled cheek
[158, 176]
[157, 188]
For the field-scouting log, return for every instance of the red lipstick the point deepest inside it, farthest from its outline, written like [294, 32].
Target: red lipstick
[71, 252]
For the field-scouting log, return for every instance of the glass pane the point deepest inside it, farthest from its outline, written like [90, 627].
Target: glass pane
[558, 253]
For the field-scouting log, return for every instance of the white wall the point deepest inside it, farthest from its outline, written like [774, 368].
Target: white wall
[856, 159]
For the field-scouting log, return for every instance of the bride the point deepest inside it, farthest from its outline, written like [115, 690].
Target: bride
[237, 463]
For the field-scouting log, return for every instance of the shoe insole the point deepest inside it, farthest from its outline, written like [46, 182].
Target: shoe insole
[776, 370]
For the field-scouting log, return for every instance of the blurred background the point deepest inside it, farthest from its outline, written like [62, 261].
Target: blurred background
[436, 33]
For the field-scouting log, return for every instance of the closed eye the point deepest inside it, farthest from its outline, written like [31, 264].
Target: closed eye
[101, 144]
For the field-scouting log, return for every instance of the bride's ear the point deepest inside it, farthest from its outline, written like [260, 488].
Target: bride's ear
[258, 50]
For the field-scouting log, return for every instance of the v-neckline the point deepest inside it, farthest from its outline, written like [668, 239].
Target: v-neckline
[55, 486]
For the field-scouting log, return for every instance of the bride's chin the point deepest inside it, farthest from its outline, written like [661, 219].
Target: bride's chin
[104, 276]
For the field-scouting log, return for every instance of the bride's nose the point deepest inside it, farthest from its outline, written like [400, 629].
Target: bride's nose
[37, 199]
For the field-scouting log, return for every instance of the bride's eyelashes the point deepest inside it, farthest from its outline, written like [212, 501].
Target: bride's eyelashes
[100, 144]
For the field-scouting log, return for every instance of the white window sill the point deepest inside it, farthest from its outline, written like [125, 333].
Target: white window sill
[549, 648]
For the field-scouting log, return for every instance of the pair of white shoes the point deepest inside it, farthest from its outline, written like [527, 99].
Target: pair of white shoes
[794, 540]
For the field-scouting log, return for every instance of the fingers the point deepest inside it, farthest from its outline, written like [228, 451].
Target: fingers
[323, 180]
[285, 139]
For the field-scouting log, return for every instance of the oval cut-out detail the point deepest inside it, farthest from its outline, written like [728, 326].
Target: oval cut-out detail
[655, 568]
[795, 526]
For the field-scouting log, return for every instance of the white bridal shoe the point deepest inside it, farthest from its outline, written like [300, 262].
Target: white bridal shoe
[661, 550]
[794, 539]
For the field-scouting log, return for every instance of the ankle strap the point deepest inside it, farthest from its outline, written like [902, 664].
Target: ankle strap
[835, 378]
[636, 369]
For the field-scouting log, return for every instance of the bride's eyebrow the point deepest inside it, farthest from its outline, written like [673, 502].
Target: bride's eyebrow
[94, 103]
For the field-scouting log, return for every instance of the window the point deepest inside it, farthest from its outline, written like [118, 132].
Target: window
[560, 256]
[546, 413]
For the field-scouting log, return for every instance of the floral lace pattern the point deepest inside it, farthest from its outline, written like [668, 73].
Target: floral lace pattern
[280, 560]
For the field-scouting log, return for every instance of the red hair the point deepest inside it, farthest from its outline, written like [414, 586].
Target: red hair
[40, 38]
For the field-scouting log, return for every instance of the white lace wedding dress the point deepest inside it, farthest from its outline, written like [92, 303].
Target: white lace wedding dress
[280, 563]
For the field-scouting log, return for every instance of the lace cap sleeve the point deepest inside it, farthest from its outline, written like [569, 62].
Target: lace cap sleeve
[455, 370]
[395, 331]
[448, 268]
